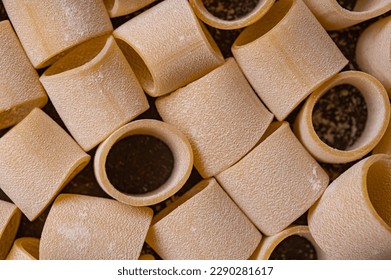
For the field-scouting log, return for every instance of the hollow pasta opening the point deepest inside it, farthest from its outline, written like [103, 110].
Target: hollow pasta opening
[339, 117]
[294, 247]
[31, 247]
[230, 10]
[138, 65]
[272, 18]
[139, 164]
[379, 189]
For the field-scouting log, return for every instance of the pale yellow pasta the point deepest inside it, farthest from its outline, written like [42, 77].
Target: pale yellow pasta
[333, 16]
[37, 159]
[276, 182]
[168, 47]
[20, 88]
[24, 248]
[93, 228]
[259, 10]
[269, 243]
[352, 220]
[117, 8]
[378, 107]
[48, 28]
[10, 217]
[173, 138]
[221, 116]
[373, 53]
[286, 55]
[203, 224]
[95, 91]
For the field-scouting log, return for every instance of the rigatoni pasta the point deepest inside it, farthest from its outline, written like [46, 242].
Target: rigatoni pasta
[10, 217]
[200, 111]
[203, 224]
[168, 47]
[37, 159]
[24, 248]
[286, 55]
[94, 90]
[20, 88]
[48, 28]
[117, 8]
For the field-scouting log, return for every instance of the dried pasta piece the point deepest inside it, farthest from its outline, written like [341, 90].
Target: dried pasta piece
[286, 55]
[117, 8]
[260, 9]
[378, 107]
[168, 47]
[94, 90]
[9, 222]
[203, 224]
[25, 248]
[93, 228]
[269, 243]
[276, 182]
[352, 220]
[173, 138]
[20, 88]
[333, 16]
[221, 116]
[373, 51]
[48, 28]
[147, 257]
[37, 159]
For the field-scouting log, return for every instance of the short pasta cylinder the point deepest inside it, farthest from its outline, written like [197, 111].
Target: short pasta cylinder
[333, 16]
[9, 223]
[203, 224]
[221, 116]
[173, 138]
[276, 182]
[269, 243]
[373, 51]
[378, 107]
[21, 90]
[286, 55]
[260, 9]
[117, 8]
[48, 28]
[352, 220]
[25, 248]
[168, 47]
[37, 160]
[94, 90]
[81, 227]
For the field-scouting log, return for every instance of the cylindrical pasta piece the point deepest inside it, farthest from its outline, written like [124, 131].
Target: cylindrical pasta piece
[269, 243]
[203, 224]
[378, 107]
[48, 28]
[219, 136]
[373, 51]
[95, 91]
[352, 220]
[37, 160]
[286, 55]
[260, 9]
[168, 47]
[21, 90]
[276, 182]
[25, 248]
[117, 8]
[93, 228]
[9, 222]
[173, 138]
[333, 16]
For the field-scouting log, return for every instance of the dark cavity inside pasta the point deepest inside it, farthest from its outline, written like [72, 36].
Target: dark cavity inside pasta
[139, 164]
[294, 248]
[230, 9]
[339, 116]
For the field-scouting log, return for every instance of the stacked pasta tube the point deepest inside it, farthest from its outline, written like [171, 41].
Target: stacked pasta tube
[257, 176]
